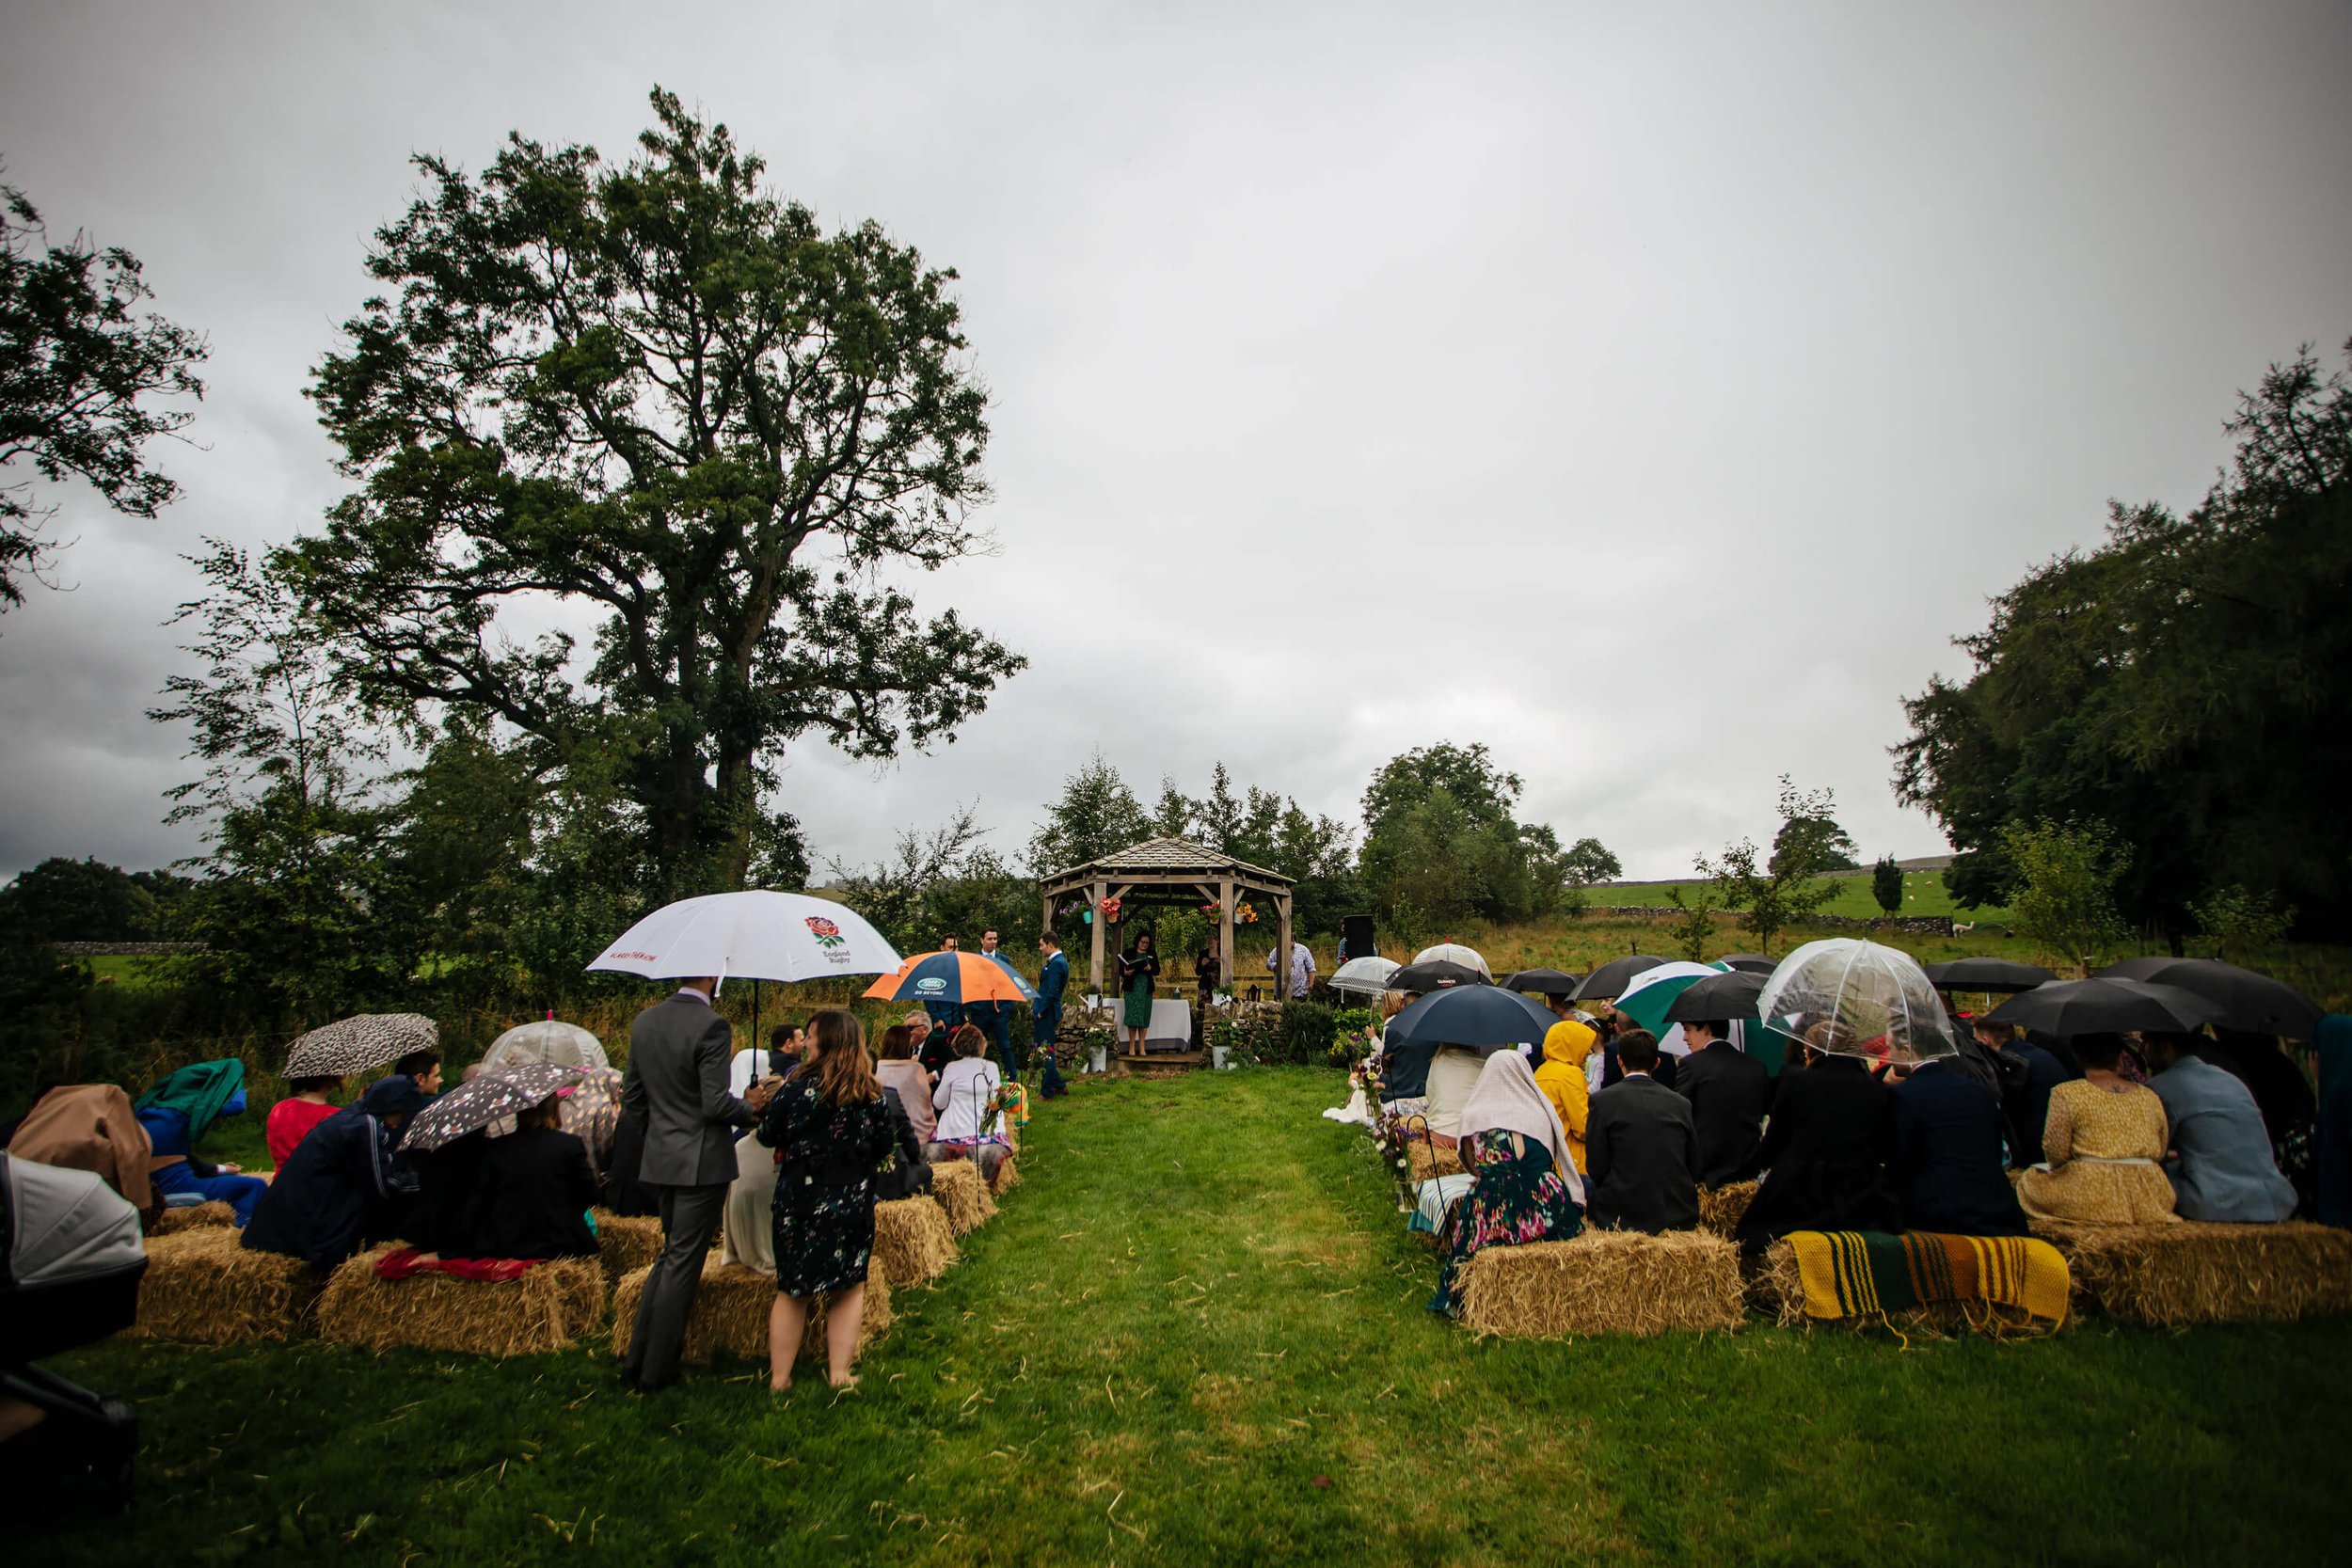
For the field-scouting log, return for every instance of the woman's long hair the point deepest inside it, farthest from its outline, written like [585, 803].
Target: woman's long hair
[843, 1073]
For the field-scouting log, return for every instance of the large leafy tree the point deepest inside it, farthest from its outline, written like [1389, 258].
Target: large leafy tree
[2183, 683]
[662, 393]
[1442, 843]
[80, 373]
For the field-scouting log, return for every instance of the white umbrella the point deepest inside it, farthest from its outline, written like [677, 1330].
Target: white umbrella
[754, 935]
[547, 1039]
[1364, 976]
[1455, 953]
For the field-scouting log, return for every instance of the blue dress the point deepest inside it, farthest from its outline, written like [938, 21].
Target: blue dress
[168, 1131]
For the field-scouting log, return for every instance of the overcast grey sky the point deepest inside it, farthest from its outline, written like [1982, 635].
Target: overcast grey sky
[1647, 392]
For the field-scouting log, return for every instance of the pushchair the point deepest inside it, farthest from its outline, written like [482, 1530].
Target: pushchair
[71, 1261]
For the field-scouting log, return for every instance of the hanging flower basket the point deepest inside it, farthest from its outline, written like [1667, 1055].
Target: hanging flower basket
[1245, 916]
[1111, 909]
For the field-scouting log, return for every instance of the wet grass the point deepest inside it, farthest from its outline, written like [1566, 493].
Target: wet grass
[1196, 1334]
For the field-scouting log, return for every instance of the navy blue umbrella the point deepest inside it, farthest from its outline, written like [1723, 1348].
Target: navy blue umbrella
[1488, 1017]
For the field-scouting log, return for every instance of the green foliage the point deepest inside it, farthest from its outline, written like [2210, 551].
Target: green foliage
[1695, 931]
[1886, 884]
[78, 373]
[70, 900]
[660, 391]
[1785, 888]
[2239, 927]
[1441, 845]
[2064, 898]
[2183, 683]
[1096, 814]
[942, 883]
[1303, 1032]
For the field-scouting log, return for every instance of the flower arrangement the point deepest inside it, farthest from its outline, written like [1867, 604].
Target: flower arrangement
[1111, 909]
[1245, 913]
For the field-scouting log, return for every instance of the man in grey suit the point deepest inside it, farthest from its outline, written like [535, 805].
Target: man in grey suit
[676, 1094]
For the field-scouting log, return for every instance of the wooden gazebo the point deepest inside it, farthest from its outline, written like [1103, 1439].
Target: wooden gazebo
[1167, 871]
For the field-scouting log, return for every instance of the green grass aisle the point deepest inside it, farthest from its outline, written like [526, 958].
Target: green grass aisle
[1196, 1334]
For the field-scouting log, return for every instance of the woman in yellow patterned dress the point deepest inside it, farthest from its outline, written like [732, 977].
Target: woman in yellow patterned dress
[2104, 1141]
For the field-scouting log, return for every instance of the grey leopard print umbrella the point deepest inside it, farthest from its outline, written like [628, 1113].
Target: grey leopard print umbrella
[472, 1106]
[356, 1044]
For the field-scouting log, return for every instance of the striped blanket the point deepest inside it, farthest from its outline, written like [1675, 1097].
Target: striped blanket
[1861, 1274]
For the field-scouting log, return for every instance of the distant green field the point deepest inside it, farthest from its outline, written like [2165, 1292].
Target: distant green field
[121, 969]
[1923, 893]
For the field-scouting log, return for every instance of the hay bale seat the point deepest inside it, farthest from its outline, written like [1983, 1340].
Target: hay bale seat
[1427, 1160]
[1720, 1207]
[1603, 1282]
[204, 1286]
[193, 1217]
[625, 1242]
[957, 1185]
[913, 1244]
[2191, 1271]
[1777, 1291]
[730, 1316]
[548, 1309]
[1008, 1177]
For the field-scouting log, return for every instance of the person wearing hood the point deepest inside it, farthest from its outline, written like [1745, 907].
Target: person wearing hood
[91, 1127]
[177, 1113]
[344, 1184]
[1524, 1186]
[1562, 1077]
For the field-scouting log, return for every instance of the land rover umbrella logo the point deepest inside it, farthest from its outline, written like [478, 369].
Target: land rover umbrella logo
[828, 935]
[930, 983]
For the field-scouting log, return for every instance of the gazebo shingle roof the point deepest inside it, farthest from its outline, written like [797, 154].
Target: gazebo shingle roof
[1169, 855]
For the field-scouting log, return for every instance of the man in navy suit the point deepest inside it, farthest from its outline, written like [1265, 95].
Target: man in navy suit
[1946, 1166]
[994, 1018]
[1053, 978]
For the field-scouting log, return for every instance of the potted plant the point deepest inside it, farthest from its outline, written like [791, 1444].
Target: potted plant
[1098, 1049]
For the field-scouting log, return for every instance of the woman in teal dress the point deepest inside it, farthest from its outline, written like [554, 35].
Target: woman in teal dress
[1525, 1188]
[1137, 967]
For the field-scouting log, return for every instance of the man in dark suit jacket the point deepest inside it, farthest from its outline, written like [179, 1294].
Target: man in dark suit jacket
[676, 1095]
[1729, 1092]
[1640, 1148]
[1947, 1164]
[1825, 1153]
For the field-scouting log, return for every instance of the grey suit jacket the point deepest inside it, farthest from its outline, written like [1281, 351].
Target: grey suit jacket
[676, 1090]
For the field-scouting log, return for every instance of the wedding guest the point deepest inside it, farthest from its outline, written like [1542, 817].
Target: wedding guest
[2221, 1167]
[310, 1103]
[1729, 1092]
[2102, 1146]
[969, 1126]
[1642, 1147]
[898, 1070]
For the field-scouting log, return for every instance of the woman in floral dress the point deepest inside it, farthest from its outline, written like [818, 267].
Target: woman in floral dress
[1525, 1187]
[831, 1130]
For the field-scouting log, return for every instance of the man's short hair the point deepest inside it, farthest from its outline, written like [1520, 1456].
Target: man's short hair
[988, 931]
[1049, 939]
[918, 1016]
[1637, 1050]
[417, 1063]
[1718, 1027]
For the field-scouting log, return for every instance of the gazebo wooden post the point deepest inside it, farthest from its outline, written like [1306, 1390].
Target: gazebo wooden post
[1225, 892]
[1283, 953]
[1094, 970]
[1045, 920]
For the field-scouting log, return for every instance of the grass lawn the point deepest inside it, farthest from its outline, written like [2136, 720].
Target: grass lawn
[1923, 893]
[1195, 1333]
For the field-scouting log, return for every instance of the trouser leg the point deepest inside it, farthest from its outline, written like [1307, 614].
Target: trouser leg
[690, 1217]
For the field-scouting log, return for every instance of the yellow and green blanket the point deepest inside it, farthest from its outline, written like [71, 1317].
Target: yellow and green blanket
[1861, 1274]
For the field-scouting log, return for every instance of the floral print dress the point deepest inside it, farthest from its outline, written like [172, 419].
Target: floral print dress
[1517, 1197]
[827, 1158]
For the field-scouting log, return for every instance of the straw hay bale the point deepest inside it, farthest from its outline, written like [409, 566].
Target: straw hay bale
[548, 1309]
[913, 1244]
[1603, 1282]
[193, 1217]
[203, 1285]
[730, 1316]
[625, 1242]
[957, 1185]
[1008, 1177]
[2193, 1271]
[1720, 1207]
[1429, 1161]
[1777, 1291]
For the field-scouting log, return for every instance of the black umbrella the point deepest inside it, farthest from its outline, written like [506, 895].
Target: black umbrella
[2103, 1007]
[1988, 974]
[1716, 998]
[2254, 1003]
[1437, 974]
[1750, 963]
[470, 1107]
[1609, 981]
[1542, 982]
[1488, 1017]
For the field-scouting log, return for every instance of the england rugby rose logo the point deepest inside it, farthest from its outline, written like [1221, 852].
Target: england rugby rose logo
[828, 935]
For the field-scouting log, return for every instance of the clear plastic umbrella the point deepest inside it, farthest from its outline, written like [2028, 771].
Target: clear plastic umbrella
[1364, 976]
[545, 1040]
[1853, 998]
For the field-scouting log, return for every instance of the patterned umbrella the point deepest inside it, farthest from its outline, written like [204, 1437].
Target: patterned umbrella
[470, 1107]
[545, 1040]
[360, 1042]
